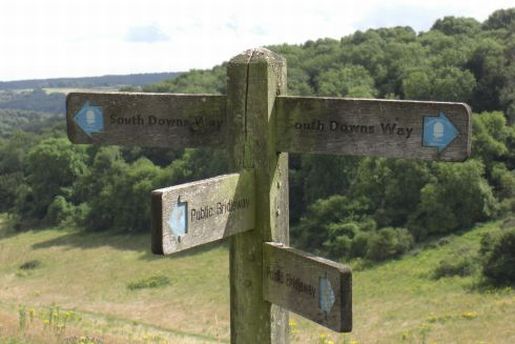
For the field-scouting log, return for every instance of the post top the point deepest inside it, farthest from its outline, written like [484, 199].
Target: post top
[257, 55]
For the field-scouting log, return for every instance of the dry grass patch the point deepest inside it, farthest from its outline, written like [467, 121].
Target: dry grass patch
[89, 274]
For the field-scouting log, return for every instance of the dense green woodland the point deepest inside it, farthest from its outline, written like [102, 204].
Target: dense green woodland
[26, 120]
[341, 207]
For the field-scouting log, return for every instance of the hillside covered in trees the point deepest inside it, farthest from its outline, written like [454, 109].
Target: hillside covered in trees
[342, 207]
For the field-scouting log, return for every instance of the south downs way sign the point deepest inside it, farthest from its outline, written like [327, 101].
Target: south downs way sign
[146, 119]
[389, 128]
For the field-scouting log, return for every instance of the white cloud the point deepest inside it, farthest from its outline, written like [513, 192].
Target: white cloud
[55, 38]
[418, 17]
[147, 33]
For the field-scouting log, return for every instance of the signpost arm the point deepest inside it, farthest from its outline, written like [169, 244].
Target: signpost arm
[255, 78]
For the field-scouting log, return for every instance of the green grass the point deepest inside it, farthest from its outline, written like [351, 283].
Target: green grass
[89, 274]
[66, 90]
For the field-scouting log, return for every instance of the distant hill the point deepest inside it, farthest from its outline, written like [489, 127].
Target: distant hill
[89, 82]
[48, 95]
[33, 100]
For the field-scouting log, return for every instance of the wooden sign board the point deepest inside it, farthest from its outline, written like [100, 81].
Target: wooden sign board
[388, 128]
[314, 287]
[146, 119]
[197, 213]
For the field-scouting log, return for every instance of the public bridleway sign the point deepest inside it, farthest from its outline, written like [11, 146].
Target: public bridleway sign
[197, 213]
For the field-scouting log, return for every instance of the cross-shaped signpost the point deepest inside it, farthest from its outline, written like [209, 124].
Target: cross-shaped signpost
[257, 124]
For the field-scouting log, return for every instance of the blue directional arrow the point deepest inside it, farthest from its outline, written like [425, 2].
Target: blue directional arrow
[178, 220]
[439, 132]
[90, 118]
[326, 296]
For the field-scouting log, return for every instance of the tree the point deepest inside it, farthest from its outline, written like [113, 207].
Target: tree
[98, 188]
[503, 181]
[12, 158]
[507, 93]
[498, 254]
[493, 139]
[453, 84]
[52, 166]
[350, 80]
[418, 84]
[121, 200]
[487, 63]
[392, 187]
[324, 176]
[299, 82]
[443, 84]
[456, 198]
[457, 26]
[501, 19]
[195, 81]
[132, 207]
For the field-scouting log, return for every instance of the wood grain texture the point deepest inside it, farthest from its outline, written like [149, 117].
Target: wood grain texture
[292, 280]
[254, 79]
[216, 208]
[366, 127]
[149, 119]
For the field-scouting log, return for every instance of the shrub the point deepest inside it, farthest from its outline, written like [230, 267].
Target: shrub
[498, 252]
[348, 239]
[461, 264]
[508, 222]
[389, 242]
[445, 240]
[348, 229]
[30, 265]
[60, 211]
[155, 281]
[82, 212]
[359, 245]
[327, 219]
[507, 207]
[339, 246]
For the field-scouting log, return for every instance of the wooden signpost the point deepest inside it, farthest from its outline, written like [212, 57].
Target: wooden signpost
[258, 125]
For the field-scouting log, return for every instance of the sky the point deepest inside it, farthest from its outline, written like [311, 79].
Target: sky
[75, 38]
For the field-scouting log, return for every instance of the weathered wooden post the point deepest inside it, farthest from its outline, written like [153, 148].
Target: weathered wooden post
[255, 78]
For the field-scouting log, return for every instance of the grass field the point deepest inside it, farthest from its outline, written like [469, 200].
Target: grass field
[78, 287]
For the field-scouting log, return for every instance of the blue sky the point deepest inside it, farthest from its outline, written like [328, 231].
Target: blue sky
[71, 38]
